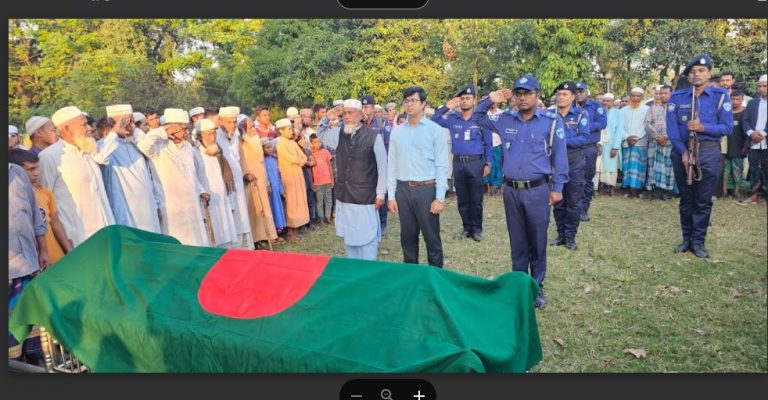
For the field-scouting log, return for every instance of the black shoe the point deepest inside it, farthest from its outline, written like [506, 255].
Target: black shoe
[540, 301]
[683, 247]
[560, 241]
[584, 216]
[477, 236]
[666, 196]
[570, 244]
[462, 235]
[699, 251]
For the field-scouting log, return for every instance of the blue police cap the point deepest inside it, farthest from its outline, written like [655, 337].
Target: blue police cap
[701, 59]
[469, 89]
[527, 82]
[567, 85]
[368, 100]
[581, 86]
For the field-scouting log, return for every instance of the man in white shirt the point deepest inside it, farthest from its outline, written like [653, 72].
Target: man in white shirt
[70, 169]
[755, 119]
[228, 139]
[180, 178]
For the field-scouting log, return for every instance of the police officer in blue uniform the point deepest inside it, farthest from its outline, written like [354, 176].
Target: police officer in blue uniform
[598, 120]
[471, 147]
[706, 112]
[576, 121]
[535, 170]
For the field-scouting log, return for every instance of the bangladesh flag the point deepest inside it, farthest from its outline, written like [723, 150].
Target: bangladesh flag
[127, 300]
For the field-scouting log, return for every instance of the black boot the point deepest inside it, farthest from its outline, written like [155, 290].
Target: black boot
[699, 251]
[570, 244]
[683, 247]
[559, 241]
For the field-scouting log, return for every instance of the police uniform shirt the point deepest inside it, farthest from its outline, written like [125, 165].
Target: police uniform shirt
[598, 119]
[525, 144]
[468, 138]
[576, 123]
[716, 118]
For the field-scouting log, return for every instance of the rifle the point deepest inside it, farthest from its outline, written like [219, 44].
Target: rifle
[693, 172]
[209, 223]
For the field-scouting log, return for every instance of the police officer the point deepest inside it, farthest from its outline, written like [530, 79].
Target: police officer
[706, 112]
[471, 147]
[598, 120]
[576, 121]
[535, 169]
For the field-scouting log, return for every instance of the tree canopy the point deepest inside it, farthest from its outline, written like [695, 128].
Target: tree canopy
[161, 63]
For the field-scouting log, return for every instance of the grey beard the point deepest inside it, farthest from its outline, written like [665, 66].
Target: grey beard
[348, 129]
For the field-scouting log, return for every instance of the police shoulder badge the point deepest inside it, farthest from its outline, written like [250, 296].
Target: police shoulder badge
[583, 122]
[727, 106]
[560, 132]
[671, 107]
[600, 111]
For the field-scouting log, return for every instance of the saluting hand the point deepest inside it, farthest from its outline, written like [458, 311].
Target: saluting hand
[453, 103]
[497, 96]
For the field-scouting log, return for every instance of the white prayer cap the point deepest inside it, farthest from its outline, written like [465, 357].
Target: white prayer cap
[282, 123]
[353, 103]
[229, 112]
[265, 141]
[378, 107]
[13, 130]
[205, 125]
[175, 116]
[35, 123]
[391, 105]
[65, 114]
[240, 118]
[162, 120]
[119, 109]
[196, 111]
[292, 113]
[609, 96]
[338, 102]
[637, 90]
[137, 116]
[763, 78]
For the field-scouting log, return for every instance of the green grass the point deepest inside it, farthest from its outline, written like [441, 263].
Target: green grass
[624, 288]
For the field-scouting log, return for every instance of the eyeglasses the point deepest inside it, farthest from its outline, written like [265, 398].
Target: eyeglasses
[411, 101]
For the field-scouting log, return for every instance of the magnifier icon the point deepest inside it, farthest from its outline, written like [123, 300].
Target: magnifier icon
[386, 394]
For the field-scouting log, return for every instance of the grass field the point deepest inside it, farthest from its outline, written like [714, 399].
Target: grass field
[624, 288]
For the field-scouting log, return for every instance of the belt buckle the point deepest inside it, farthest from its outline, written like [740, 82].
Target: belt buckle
[526, 184]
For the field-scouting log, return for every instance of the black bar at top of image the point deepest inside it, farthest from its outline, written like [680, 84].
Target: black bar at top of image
[333, 9]
[383, 5]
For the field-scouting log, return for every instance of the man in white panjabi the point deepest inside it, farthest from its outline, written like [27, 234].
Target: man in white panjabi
[70, 169]
[173, 159]
[127, 177]
[221, 185]
[228, 139]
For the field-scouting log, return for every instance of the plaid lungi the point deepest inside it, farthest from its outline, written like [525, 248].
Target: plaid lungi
[634, 161]
[660, 173]
[32, 345]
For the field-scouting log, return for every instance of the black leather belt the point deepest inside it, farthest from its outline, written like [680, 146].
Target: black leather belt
[708, 143]
[419, 183]
[575, 149]
[526, 184]
[466, 159]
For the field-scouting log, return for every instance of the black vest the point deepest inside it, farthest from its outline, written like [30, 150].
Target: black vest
[356, 169]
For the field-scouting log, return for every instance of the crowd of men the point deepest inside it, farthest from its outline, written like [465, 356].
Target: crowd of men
[217, 177]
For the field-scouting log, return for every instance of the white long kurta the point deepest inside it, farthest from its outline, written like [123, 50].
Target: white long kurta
[130, 188]
[181, 187]
[230, 147]
[221, 206]
[78, 187]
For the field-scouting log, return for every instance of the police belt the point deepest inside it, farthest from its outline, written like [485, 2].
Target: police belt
[526, 184]
[418, 183]
[572, 150]
[466, 159]
[703, 144]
